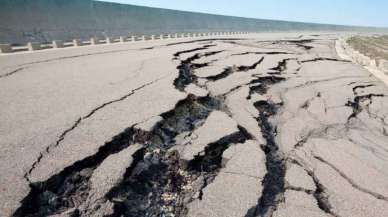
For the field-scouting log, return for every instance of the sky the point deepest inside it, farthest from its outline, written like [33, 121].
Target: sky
[346, 12]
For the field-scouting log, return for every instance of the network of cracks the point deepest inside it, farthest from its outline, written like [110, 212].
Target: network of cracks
[158, 181]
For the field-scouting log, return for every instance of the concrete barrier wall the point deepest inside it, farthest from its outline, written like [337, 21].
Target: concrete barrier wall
[22, 21]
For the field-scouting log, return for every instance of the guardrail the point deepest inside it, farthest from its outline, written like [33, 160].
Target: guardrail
[57, 44]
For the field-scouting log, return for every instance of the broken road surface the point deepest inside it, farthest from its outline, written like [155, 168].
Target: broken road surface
[224, 127]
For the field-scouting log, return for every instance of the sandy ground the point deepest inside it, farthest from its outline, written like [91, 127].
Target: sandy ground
[378, 72]
[257, 125]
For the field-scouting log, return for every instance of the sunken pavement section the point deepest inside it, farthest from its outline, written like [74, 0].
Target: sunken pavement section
[221, 127]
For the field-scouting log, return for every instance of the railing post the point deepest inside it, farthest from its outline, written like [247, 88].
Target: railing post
[5, 48]
[33, 46]
[122, 39]
[58, 44]
[76, 42]
[109, 40]
[161, 36]
[94, 41]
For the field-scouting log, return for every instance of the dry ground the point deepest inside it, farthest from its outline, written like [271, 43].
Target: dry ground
[375, 47]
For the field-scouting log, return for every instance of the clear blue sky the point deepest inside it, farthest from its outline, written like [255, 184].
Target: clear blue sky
[348, 12]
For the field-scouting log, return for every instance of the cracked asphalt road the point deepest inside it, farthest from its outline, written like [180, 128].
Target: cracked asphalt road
[272, 125]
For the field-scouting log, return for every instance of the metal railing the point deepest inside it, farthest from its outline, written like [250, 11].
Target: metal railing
[57, 44]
